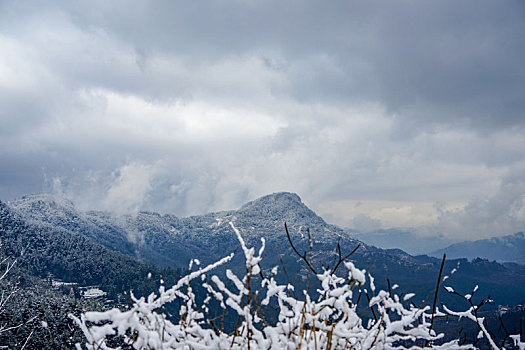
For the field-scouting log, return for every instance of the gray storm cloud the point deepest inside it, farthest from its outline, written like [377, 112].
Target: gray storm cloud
[186, 107]
[500, 212]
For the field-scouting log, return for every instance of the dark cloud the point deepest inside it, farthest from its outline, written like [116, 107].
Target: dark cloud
[212, 104]
[500, 212]
[440, 61]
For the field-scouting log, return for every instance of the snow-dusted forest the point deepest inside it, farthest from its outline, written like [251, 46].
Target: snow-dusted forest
[253, 306]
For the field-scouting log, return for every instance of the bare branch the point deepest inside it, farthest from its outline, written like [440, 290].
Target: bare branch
[303, 256]
[436, 291]
[342, 259]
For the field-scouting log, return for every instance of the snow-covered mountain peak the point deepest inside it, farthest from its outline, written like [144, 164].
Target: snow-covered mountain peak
[278, 198]
[282, 205]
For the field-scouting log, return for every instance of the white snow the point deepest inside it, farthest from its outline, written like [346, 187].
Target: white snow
[93, 293]
[303, 322]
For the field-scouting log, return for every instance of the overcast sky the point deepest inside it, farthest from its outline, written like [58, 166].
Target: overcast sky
[377, 113]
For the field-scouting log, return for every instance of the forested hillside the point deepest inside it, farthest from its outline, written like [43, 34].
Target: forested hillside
[44, 250]
[166, 240]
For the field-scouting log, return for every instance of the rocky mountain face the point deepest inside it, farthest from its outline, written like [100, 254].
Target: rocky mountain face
[509, 248]
[167, 241]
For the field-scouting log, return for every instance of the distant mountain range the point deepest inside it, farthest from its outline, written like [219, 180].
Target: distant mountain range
[509, 248]
[403, 239]
[151, 239]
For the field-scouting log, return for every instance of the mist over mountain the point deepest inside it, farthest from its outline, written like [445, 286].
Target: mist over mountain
[51, 251]
[510, 248]
[406, 240]
[168, 241]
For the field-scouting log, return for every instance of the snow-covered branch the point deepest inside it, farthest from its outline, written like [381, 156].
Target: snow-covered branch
[328, 320]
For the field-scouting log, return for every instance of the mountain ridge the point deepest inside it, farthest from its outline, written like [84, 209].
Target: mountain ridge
[161, 239]
[508, 248]
[166, 241]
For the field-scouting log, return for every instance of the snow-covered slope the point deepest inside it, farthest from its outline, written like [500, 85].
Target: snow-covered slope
[44, 249]
[168, 241]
